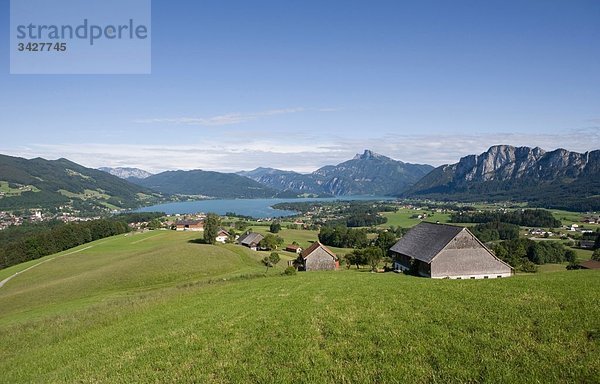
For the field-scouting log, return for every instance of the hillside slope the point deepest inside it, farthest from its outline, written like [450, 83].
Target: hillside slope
[51, 183]
[205, 183]
[556, 179]
[156, 308]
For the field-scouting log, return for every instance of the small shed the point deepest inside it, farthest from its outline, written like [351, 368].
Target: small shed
[293, 248]
[318, 257]
[446, 251]
[251, 240]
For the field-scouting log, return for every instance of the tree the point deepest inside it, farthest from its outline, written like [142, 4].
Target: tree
[271, 260]
[270, 242]
[528, 266]
[356, 257]
[211, 228]
[154, 224]
[275, 227]
[373, 256]
[385, 241]
[351, 260]
[571, 256]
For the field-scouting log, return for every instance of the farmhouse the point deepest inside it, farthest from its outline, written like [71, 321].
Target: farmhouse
[251, 240]
[445, 251]
[196, 225]
[318, 257]
[222, 236]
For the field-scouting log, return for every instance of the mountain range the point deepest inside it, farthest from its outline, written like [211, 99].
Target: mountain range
[558, 179]
[554, 179]
[366, 174]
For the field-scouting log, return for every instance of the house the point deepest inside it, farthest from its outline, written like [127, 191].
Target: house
[318, 257]
[190, 225]
[222, 236]
[590, 264]
[587, 244]
[293, 248]
[251, 240]
[446, 251]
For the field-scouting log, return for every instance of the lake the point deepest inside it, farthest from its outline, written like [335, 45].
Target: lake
[258, 208]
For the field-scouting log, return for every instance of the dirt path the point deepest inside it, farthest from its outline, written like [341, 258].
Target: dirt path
[40, 263]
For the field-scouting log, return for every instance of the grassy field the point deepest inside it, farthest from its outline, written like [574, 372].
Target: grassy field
[109, 267]
[156, 308]
[11, 192]
[569, 218]
[402, 218]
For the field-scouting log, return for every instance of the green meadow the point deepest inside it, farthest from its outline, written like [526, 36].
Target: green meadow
[157, 307]
[403, 217]
[6, 189]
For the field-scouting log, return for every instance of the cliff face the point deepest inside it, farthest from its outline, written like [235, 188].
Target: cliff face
[515, 173]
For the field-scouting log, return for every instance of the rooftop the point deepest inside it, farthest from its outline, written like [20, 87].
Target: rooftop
[426, 240]
[314, 247]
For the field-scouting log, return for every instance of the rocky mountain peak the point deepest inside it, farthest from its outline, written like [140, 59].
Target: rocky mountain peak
[368, 154]
[126, 173]
[524, 173]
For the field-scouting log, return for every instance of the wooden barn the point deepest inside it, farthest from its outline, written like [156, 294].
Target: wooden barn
[190, 225]
[251, 240]
[318, 257]
[293, 248]
[445, 251]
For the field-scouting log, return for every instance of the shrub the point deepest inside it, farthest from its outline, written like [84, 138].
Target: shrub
[290, 271]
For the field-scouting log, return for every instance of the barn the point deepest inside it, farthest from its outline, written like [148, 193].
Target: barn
[251, 240]
[293, 248]
[190, 225]
[445, 251]
[318, 257]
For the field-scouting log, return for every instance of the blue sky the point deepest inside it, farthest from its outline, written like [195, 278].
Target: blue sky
[300, 84]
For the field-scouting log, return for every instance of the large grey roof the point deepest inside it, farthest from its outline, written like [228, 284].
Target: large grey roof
[251, 238]
[426, 240]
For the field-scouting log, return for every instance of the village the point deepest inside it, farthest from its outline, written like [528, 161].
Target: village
[427, 248]
[37, 216]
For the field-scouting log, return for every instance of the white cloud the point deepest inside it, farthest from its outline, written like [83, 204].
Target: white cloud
[300, 153]
[228, 119]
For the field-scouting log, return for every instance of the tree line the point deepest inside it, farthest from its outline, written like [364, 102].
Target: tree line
[524, 254]
[525, 218]
[487, 232]
[57, 239]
